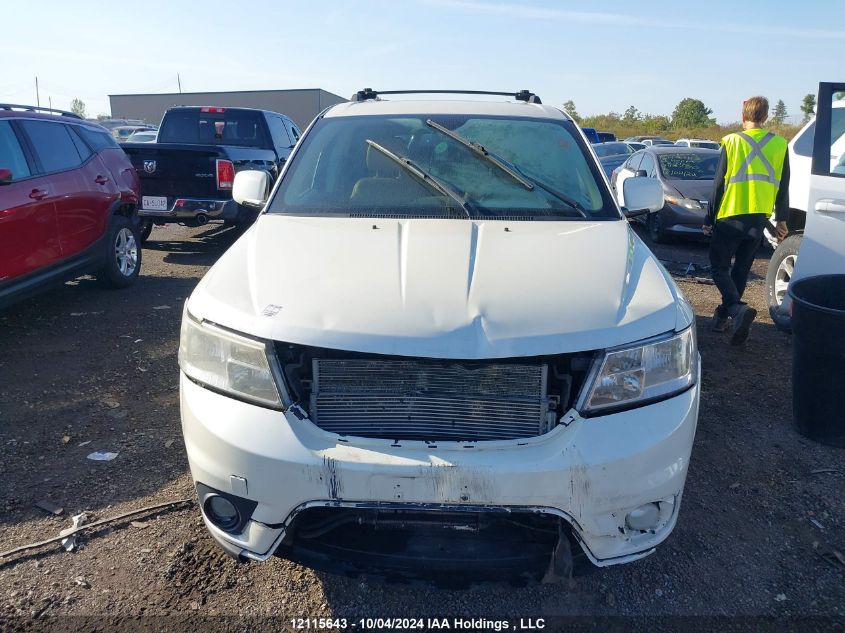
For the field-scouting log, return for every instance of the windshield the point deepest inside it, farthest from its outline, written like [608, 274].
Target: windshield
[230, 127]
[612, 149]
[689, 166]
[704, 144]
[536, 169]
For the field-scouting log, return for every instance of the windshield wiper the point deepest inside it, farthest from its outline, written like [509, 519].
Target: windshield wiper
[512, 170]
[423, 176]
[570, 202]
[479, 150]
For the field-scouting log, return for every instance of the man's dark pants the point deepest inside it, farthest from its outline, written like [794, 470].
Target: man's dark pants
[737, 237]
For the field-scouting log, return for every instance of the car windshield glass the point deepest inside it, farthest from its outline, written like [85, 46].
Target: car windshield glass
[338, 171]
[230, 127]
[612, 149]
[704, 144]
[689, 166]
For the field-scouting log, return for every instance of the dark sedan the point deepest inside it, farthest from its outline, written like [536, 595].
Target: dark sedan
[686, 174]
[611, 155]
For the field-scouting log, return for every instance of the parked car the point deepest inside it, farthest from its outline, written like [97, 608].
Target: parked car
[68, 203]
[440, 319]
[634, 145]
[122, 133]
[650, 142]
[611, 155]
[802, 203]
[110, 124]
[697, 142]
[187, 174]
[646, 137]
[591, 134]
[686, 176]
[144, 136]
[606, 137]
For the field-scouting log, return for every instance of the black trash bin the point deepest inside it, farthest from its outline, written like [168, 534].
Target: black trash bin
[818, 358]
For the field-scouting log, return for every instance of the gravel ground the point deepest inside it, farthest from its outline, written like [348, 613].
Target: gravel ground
[85, 369]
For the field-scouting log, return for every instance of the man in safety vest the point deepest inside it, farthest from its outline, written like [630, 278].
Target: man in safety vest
[751, 179]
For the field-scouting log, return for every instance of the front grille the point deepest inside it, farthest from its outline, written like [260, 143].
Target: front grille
[408, 398]
[433, 400]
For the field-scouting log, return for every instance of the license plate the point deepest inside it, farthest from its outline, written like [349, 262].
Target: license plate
[154, 203]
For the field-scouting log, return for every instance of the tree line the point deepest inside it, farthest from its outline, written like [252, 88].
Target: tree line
[690, 119]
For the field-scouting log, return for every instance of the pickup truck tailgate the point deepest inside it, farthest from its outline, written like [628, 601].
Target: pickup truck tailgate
[176, 170]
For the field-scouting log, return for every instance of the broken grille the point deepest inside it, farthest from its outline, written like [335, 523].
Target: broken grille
[430, 400]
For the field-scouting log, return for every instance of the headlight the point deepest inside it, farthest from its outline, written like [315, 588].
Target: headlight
[230, 363]
[644, 373]
[686, 203]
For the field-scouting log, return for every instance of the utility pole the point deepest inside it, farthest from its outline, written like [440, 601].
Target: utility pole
[50, 100]
[37, 95]
[179, 81]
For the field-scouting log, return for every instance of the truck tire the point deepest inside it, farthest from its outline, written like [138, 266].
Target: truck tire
[123, 254]
[657, 229]
[145, 230]
[781, 266]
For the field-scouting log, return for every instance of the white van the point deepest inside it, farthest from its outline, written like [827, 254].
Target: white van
[802, 203]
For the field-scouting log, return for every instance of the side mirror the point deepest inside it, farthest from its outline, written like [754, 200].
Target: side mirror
[641, 173]
[251, 188]
[641, 196]
[5, 176]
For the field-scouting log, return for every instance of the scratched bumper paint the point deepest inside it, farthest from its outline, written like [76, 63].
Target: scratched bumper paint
[592, 471]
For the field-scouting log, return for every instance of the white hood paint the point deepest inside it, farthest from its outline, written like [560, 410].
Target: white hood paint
[441, 288]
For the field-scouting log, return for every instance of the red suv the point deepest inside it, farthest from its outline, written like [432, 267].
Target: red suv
[68, 203]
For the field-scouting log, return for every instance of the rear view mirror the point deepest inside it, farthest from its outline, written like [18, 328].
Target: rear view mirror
[642, 195]
[251, 188]
[5, 176]
[640, 173]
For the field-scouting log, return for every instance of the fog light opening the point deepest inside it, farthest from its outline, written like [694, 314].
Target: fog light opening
[222, 512]
[644, 518]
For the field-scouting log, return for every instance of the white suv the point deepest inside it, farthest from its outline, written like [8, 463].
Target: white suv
[441, 346]
[697, 142]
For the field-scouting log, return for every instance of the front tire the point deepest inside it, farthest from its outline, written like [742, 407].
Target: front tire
[778, 276]
[145, 230]
[123, 254]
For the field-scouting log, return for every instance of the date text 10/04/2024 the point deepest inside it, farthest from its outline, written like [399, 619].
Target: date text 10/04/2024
[421, 624]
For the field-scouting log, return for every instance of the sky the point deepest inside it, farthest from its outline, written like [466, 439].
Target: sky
[604, 56]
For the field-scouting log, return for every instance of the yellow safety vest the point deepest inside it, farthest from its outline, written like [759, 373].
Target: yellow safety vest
[755, 165]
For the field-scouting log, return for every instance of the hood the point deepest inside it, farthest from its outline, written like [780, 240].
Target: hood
[440, 288]
[694, 189]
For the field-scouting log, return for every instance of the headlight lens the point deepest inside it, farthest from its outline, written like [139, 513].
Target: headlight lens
[645, 373]
[228, 362]
[686, 203]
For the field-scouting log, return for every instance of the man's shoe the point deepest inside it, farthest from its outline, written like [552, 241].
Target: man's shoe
[719, 323]
[741, 324]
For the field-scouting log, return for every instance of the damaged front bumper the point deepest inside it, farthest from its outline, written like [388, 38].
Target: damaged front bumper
[594, 474]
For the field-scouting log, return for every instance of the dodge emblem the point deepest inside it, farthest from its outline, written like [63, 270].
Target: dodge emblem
[149, 166]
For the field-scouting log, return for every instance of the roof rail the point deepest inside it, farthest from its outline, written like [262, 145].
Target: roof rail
[368, 93]
[29, 108]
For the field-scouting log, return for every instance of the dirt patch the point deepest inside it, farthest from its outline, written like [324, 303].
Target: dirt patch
[762, 511]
